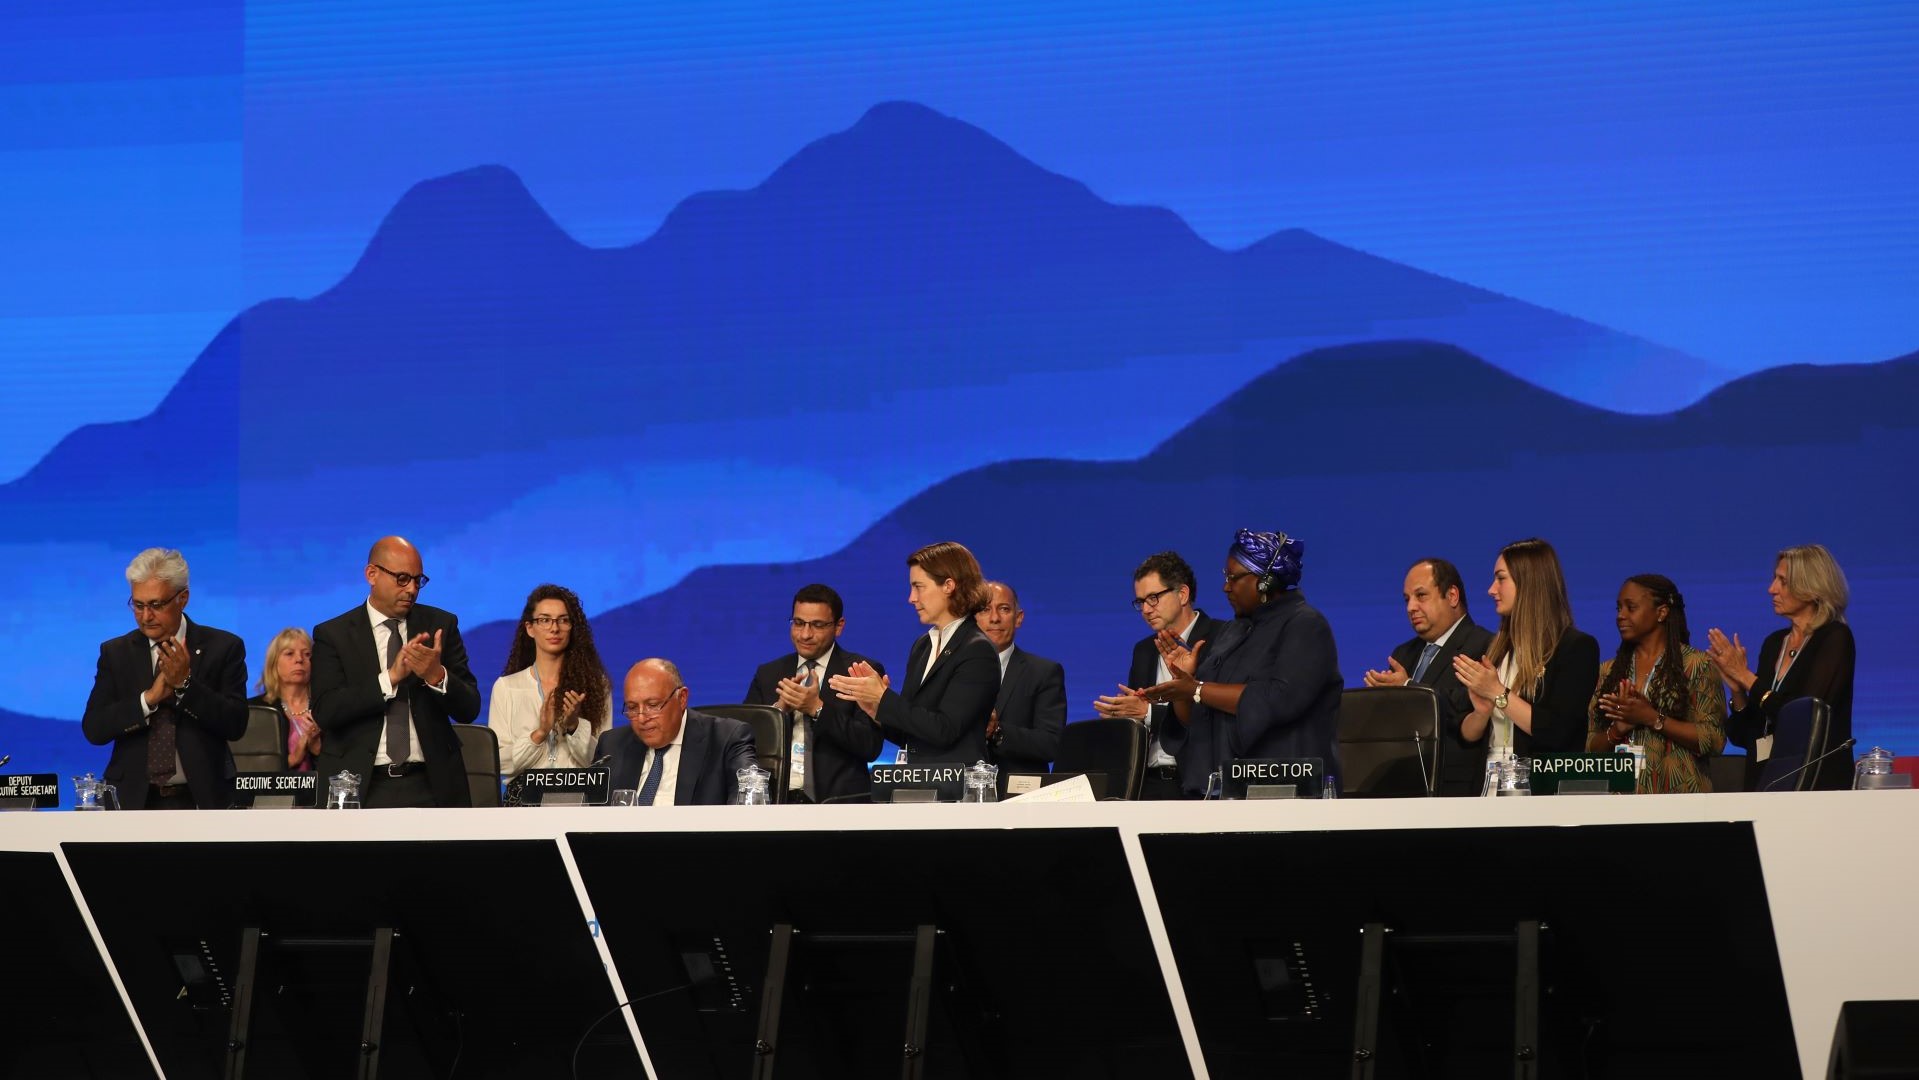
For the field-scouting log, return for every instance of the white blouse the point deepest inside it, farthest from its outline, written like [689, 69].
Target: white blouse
[514, 715]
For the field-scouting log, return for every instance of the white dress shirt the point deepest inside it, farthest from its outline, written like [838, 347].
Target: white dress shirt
[670, 777]
[940, 635]
[1161, 674]
[380, 635]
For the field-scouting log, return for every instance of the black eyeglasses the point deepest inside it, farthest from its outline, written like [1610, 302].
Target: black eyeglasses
[635, 709]
[818, 626]
[541, 621]
[141, 607]
[402, 580]
[1232, 578]
[1151, 599]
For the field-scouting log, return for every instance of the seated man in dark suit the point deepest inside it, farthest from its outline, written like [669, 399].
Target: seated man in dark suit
[1023, 734]
[838, 739]
[673, 755]
[390, 680]
[1163, 596]
[169, 696]
[1442, 629]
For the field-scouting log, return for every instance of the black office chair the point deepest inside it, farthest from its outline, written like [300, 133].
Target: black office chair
[480, 751]
[1111, 745]
[1389, 741]
[770, 739]
[1798, 736]
[1727, 772]
[262, 747]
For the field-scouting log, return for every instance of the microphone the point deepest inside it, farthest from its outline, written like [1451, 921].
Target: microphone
[1847, 745]
[1419, 748]
[4, 758]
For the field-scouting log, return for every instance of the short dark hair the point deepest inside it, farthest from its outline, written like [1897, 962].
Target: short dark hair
[821, 594]
[1446, 576]
[1173, 571]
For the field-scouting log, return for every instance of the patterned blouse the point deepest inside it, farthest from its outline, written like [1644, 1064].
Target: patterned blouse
[1669, 766]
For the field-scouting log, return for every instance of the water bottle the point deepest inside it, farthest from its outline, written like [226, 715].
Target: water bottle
[1215, 789]
[343, 791]
[1329, 787]
[982, 783]
[752, 786]
[1516, 776]
[1878, 762]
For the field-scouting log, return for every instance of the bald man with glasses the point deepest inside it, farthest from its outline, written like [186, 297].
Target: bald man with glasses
[390, 678]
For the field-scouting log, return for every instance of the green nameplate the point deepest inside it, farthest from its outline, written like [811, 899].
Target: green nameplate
[1614, 770]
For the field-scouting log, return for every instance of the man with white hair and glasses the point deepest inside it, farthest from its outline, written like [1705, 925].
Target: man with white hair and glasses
[169, 696]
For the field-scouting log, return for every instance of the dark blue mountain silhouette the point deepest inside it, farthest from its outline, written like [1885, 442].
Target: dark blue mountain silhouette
[1375, 454]
[910, 253]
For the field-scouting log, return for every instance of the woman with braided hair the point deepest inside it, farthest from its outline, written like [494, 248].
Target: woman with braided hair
[1659, 692]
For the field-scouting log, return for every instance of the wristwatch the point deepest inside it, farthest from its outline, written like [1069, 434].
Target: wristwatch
[1499, 702]
[1197, 687]
[1659, 722]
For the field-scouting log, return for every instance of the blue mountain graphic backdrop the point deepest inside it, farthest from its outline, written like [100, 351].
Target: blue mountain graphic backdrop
[909, 332]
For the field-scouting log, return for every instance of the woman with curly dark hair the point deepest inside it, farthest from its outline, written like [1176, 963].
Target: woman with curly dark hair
[555, 698]
[1659, 693]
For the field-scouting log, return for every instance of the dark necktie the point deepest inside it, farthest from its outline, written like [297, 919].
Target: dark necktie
[161, 741]
[1425, 660]
[399, 741]
[651, 788]
[803, 723]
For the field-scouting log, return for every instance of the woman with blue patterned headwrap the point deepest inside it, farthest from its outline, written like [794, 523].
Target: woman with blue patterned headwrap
[1269, 687]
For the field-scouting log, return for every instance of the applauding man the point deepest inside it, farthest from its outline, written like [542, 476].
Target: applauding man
[388, 676]
[168, 696]
[1163, 596]
[1442, 629]
[837, 738]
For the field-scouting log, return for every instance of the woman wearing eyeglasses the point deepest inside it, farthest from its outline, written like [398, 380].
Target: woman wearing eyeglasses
[554, 699]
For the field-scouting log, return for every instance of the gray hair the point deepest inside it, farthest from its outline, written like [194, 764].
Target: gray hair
[164, 563]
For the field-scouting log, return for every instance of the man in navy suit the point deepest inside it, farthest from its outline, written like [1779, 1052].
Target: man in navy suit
[840, 740]
[169, 696]
[1442, 629]
[670, 754]
[1163, 596]
[1023, 734]
[390, 679]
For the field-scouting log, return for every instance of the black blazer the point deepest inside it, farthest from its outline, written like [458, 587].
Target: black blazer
[843, 741]
[1032, 713]
[349, 708]
[1284, 655]
[1560, 707]
[212, 711]
[712, 751]
[1823, 670]
[942, 717]
[1144, 671]
[1462, 768]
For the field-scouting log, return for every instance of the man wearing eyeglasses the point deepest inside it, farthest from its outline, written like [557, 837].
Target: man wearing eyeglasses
[389, 679]
[169, 696]
[1163, 596]
[668, 754]
[832, 741]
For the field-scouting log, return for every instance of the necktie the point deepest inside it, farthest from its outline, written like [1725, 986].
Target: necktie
[1425, 660]
[160, 738]
[799, 777]
[651, 788]
[399, 741]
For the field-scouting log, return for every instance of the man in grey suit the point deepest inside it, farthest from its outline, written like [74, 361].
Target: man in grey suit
[1442, 629]
[1023, 734]
[670, 754]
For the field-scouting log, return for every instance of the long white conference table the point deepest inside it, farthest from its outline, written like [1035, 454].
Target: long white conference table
[1840, 871]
